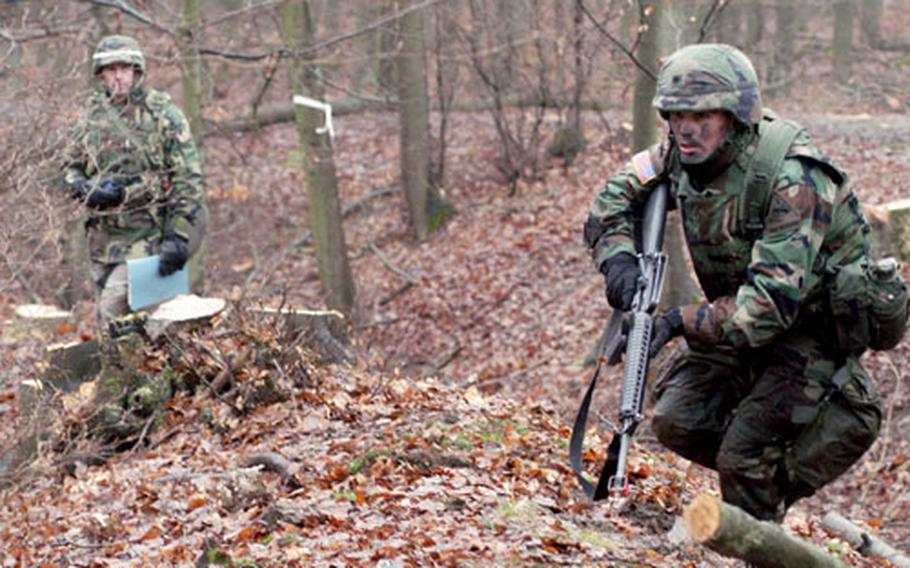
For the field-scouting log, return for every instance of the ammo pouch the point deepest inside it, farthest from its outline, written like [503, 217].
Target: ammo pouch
[868, 301]
[845, 426]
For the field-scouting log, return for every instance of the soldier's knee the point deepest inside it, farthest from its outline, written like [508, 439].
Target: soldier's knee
[686, 439]
[668, 428]
[732, 464]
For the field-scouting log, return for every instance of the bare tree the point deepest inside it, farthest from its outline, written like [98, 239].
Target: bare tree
[644, 119]
[843, 40]
[426, 207]
[191, 67]
[319, 164]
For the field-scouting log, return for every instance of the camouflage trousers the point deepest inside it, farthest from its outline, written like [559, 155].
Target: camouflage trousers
[111, 284]
[776, 423]
[111, 292]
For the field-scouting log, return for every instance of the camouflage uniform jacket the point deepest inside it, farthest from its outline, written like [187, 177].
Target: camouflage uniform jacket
[146, 144]
[756, 285]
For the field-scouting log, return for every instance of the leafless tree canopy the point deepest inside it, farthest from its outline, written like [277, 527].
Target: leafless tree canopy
[527, 65]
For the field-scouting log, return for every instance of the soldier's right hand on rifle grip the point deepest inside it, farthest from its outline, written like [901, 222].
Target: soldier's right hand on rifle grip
[621, 274]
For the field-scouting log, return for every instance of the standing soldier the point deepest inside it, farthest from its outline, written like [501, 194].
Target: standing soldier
[764, 391]
[133, 163]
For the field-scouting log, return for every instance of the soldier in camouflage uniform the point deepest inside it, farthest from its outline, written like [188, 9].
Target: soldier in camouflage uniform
[133, 162]
[758, 392]
[134, 165]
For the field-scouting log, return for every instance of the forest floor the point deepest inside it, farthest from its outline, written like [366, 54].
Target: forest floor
[445, 443]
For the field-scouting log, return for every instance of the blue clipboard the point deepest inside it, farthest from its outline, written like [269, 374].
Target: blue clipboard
[146, 287]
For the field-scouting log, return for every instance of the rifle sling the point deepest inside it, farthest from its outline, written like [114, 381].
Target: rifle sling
[576, 442]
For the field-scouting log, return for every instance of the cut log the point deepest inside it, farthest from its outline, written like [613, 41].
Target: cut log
[730, 531]
[864, 542]
[323, 331]
[890, 229]
[181, 310]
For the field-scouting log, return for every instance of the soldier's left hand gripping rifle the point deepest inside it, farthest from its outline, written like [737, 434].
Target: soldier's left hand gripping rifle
[640, 324]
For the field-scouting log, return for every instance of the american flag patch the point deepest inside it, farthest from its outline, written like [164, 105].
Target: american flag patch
[644, 169]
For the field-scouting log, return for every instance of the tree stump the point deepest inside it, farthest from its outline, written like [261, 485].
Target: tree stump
[730, 531]
[34, 317]
[323, 331]
[180, 311]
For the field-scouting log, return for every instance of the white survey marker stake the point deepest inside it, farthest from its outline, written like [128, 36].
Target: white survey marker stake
[318, 105]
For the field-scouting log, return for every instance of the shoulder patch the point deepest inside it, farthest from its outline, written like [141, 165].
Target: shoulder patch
[644, 167]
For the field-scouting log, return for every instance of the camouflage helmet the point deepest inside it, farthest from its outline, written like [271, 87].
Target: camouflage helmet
[709, 76]
[118, 49]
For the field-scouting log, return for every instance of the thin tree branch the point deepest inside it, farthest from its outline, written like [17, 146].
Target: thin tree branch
[130, 11]
[318, 46]
[240, 11]
[615, 41]
[718, 7]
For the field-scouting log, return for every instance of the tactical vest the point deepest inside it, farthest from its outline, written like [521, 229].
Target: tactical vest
[130, 148]
[867, 299]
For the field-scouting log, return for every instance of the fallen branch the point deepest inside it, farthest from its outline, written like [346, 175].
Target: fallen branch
[388, 264]
[275, 463]
[864, 543]
[730, 531]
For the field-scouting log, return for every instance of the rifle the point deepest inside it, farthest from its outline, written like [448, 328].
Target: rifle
[653, 264]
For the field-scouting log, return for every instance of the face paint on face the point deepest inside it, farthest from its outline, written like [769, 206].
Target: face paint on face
[118, 78]
[699, 134]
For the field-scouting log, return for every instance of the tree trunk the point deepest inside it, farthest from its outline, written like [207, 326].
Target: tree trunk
[843, 40]
[782, 57]
[681, 287]
[414, 121]
[871, 19]
[75, 260]
[319, 164]
[755, 30]
[730, 531]
[644, 118]
[191, 67]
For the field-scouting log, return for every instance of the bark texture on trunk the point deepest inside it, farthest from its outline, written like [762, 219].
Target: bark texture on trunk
[730, 531]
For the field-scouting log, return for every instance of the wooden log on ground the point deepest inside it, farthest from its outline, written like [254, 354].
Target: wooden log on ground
[323, 331]
[182, 310]
[864, 542]
[890, 229]
[730, 531]
[284, 112]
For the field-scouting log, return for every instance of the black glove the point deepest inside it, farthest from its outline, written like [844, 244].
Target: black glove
[666, 327]
[621, 273]
[107, 192]
[78, 189]
[173, 255]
